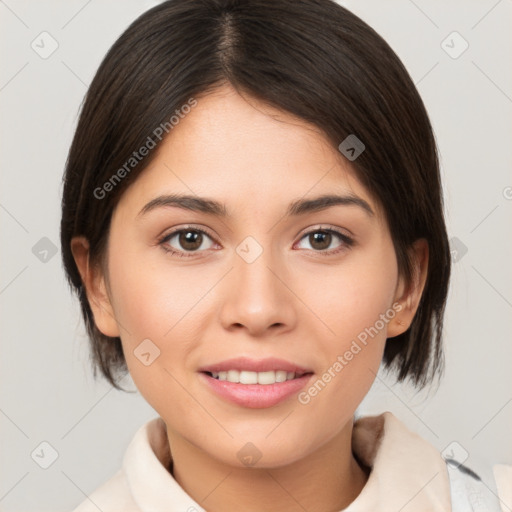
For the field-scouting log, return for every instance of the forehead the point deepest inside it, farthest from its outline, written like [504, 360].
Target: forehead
[248, 155]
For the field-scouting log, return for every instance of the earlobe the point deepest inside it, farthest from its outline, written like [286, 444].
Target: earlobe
[409, 297]
[93, 281]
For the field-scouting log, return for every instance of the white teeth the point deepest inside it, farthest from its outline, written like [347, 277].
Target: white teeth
[266, 377]
[248, 377]
[245, 377]
[281, 376]
[233, 376]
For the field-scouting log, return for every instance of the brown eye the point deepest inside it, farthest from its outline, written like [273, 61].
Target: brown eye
[187, 240]
[323, 241]
[320, 240]
[190, 240]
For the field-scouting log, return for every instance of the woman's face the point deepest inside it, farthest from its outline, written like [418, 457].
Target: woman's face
[190, 289]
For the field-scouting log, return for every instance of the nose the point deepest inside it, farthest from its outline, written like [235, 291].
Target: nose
[256, 297]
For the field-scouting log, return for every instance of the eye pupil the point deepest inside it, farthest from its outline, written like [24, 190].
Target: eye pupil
[190, 240]
[320, 237]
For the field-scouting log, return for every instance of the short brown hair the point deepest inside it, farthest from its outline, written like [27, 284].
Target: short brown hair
[311, 58]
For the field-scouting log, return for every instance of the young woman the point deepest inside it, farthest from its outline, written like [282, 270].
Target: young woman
[252, 218]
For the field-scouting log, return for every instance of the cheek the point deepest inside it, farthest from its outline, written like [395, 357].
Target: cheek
[351, 296]
[355, 301]
[164, 304]
[153, 299]
[154, 309]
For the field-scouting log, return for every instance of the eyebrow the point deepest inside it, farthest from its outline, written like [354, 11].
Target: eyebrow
[212, 207]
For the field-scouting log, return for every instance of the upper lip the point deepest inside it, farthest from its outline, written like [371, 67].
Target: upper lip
[255, 365]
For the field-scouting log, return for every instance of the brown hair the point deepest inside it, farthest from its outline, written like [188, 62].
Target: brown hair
[311, 58]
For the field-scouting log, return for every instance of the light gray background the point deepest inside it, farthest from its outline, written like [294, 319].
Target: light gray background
[47, 390]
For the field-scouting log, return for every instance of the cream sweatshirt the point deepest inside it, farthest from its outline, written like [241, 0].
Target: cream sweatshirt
[407, 474]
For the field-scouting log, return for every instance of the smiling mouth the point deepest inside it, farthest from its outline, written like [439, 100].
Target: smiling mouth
[248, 377]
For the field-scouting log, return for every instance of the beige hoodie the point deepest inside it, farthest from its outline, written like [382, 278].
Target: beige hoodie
[408, 474]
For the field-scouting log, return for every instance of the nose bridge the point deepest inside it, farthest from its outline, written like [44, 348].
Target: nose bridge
[256, 298]
[255, 280]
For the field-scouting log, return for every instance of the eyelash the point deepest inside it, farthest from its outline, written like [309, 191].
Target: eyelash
[347, 241]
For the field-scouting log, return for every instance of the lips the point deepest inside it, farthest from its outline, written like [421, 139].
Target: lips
[255, 396]
[254, 383]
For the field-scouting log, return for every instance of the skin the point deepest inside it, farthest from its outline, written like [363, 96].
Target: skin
[293, 302]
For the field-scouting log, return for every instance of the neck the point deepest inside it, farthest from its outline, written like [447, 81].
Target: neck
[328, 479]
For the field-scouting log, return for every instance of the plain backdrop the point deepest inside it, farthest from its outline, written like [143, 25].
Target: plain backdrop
[53, 413]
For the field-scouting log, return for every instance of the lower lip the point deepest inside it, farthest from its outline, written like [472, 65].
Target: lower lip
[256, 396]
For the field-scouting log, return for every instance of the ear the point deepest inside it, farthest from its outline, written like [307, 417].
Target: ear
[93, 281]
[409, 297]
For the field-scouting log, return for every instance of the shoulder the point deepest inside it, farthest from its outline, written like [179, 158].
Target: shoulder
[397, 454]
[117, 493]
[503, 476]
[112, 496]
[407, 472]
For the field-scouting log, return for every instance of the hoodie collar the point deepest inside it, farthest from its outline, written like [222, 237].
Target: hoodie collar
[407, 473]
